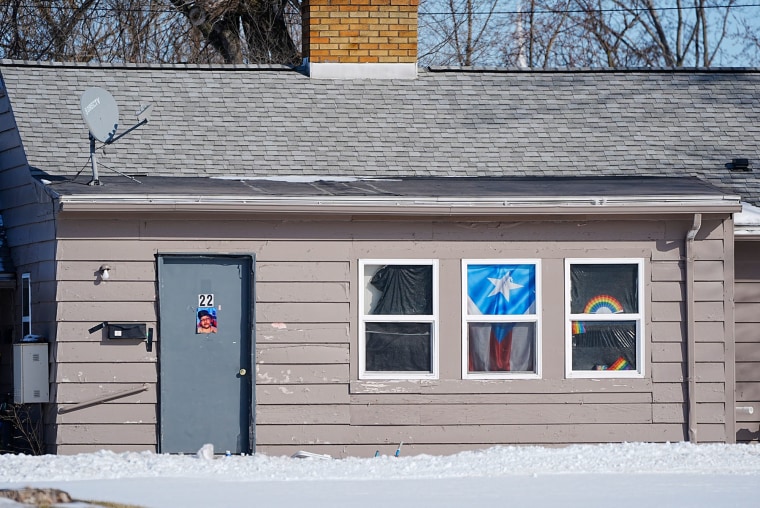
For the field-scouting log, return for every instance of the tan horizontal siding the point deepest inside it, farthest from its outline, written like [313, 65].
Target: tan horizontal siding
[303, 292]
[99, 311]
[498, 414]
[748, 312]
[110, 413]
[106, 372]
[674, 331]
[747, 332]
[711, 250]
[748, 352]
[481, 435]
[84, 272]
[746, 372]
[305, 333]
[744, 416]
[109, 351]
[322, 271]
[746, 291]
[675, 392]
[626, 397]
[747, 297]
[713, 433]
[306, 348]
[332, 414]
[676, 312]
[78, 331]
[77, 393]
[107, 434]
[290, 312]
[130, 250]
[113, 290]
[746, 266]
[73, 449]
[667, 271]
[526, 386]
[302, 394]
[675, 352]
[748, 390]
[300, 354]
[301, 374]
[709, 271]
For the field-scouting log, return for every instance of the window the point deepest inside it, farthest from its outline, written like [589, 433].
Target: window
[501, 325]
[398, 324]
[26, 304]
[605, 316]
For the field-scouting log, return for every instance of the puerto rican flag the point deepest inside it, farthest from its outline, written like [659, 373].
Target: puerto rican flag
[500, 290]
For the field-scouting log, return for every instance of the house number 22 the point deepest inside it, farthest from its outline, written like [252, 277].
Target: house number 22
[206, 300]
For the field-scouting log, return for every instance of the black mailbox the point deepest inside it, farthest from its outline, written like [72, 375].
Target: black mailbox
[127, 331]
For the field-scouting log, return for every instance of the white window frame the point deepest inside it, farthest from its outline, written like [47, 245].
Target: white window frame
[636, 317]
[414, 318]
[26, 304]
[517, 318]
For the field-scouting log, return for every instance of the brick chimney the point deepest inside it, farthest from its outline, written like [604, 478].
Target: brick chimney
[345, 39]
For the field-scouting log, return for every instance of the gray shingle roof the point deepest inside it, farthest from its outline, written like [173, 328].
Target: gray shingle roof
[238, 121]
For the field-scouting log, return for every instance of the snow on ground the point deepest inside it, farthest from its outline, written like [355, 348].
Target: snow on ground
[628, 475]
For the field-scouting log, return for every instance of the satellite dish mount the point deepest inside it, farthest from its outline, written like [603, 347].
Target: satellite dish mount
[101, 114]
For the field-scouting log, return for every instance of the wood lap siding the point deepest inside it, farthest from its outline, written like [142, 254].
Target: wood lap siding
[747, 296]
[29, 226]
[88, 365]
[449, 414]
[307, 392]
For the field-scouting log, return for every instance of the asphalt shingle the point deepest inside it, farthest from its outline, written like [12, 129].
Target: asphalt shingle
[250, 121]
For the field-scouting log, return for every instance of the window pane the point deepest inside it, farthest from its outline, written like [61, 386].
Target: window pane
[399, 289]
[604, 345]
[398, 347]
[604, 289]
[499, 290]
[501, 347]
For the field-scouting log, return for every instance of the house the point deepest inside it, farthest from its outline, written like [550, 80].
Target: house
[360, 253]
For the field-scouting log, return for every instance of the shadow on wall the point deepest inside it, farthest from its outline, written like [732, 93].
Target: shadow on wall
[743, 435]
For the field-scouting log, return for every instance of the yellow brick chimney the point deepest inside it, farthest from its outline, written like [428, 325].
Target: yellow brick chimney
[346, 39]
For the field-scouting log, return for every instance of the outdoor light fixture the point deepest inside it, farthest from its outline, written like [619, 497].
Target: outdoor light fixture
[105, 272]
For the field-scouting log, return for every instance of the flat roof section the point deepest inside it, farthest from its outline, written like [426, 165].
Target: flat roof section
[410, 195]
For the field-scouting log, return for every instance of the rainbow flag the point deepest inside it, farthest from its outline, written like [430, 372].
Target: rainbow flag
[620, 364]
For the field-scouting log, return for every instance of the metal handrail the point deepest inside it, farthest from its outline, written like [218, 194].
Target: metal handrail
[101, 399]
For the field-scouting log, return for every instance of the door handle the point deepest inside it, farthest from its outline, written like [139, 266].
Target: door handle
[243, 372]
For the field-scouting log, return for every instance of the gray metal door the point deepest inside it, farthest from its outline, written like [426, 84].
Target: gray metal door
[205, 344]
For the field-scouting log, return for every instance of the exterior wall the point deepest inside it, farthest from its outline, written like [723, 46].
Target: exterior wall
[86, 365]
[30, 232]
[28, 219]
[747, 291]
[308, 394]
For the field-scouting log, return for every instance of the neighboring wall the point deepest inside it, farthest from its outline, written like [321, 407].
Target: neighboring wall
[28, 219]
[747, 340]
[308, 395]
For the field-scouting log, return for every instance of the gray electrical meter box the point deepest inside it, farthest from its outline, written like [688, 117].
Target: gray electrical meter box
[30, 373]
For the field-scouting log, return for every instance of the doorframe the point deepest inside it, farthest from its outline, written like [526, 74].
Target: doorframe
[251, 314]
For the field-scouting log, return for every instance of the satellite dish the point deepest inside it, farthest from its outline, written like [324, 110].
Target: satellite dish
[100, 112]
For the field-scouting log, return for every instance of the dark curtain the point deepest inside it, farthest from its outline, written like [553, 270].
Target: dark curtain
[604, 288]
[591, 281]
[404, 290]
